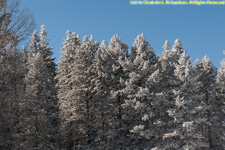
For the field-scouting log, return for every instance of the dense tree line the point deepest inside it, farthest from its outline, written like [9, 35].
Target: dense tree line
[104, 97]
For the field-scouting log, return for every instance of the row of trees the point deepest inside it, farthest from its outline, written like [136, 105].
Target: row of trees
[104, 96]
[112, 98]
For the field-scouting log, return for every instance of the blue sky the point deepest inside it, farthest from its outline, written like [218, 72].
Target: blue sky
[201, 29]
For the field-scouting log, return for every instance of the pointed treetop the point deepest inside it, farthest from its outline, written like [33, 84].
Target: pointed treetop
[34, 36]
[177, 47]
[103, 44]
[117, 43]
[205, 59]
[140, 37]
[91, 38]
[35, 32]
[221, 72]
[74, 34]
[140, 45]
[167, 45]
[114, 41]
[184, 59]
[197, 63]
[197, 60]
[75, 38]
[177, 43]
[43, 28]
[68, 34]
[115, 38]
[43, 33]
[183, 67]
[207, 64]
[85, 39]
[34, 40]
[78, 36]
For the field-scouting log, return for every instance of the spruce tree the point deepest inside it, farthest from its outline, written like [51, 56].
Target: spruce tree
[219, 137]
[81, 94]
[139, 90]
[66, 106]
[185, 110]
[108, 98]
[205, 72]
[44, 102]
[36, 126]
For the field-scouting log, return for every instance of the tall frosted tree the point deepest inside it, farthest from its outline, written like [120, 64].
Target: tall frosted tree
[36, 125]
[185, 110]
[52, 101]
[64, 80]
[40, 79]
[205, 72]
[220, 128]
[139, 91]
[81, 94]
[108, 98]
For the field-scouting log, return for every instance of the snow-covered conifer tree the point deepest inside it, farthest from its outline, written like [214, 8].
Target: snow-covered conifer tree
[81, 94]
[140, 92]
[219, 135]
[34, 45]
[185, 111]
[11, 92]
[39, 51]
[108, 98]
[37, 125]
[70, 44]
[205, 73]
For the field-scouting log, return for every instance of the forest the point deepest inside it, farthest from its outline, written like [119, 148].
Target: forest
[104, 96]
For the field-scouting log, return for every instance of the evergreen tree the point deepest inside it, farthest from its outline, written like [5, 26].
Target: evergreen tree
[71, 43]
[205, 73]
[43, 94]
[139, 117]
[185, 110]
[36, 126]
[108, 98]
[219, 138]
[11, 92]
[52, 101]
[81, 94]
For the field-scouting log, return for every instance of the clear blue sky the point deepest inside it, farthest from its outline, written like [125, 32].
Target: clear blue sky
[201, 29]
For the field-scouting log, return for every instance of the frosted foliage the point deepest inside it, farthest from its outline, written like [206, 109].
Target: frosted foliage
[106, 96]
[142, 66]
[221, 73]
[188, 125]
[137, 129]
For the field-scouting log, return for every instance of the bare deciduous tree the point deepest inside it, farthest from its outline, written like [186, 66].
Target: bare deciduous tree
[15, 24]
